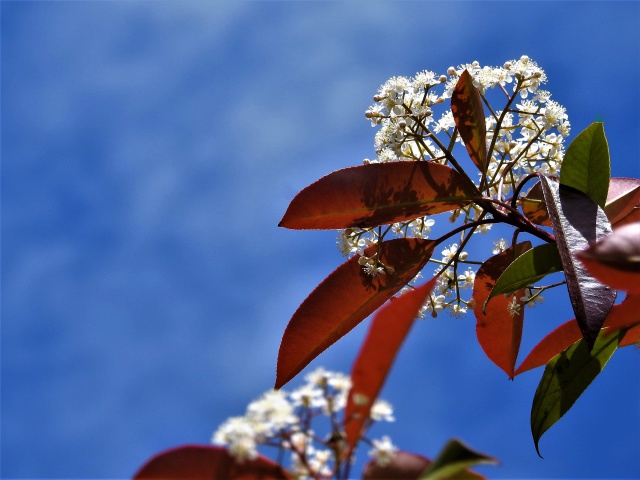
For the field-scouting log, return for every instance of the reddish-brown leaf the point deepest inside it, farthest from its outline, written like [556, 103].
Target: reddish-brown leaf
[632, 337]
[386, 334]
[499, 333]
[577, 220]
[204, 462]
[615, 259]
[533, 206]
[622, 198]
[569, 333]
[632, 217]
[624, 315]
[377, 194]
[343, 300]
[403, 466]
[557, 341]
[466, 106]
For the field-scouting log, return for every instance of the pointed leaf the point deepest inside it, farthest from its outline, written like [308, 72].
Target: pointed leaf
[586, 165]
[455, 458]
[555, 342]
[466, 106]
[566, 376]
[386, 334]
[499, 333]
[533, 206]
[624, 315]
[378, 194]
[615, 259]
[343, 300]
[403, 466]
[577, 220]
[528, 268]
[200, 462]
[623, 197]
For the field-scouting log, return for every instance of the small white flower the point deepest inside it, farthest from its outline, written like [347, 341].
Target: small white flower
[499, 246]
[513, 307]
[466, 280]
[382, 451]
[382, 411]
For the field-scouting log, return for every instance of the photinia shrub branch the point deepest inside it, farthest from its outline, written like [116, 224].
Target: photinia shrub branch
[443, 167]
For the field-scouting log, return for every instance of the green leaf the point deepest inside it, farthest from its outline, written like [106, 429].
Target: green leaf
[565, 377]
[527, 269]
[454, 458]
[586, 165]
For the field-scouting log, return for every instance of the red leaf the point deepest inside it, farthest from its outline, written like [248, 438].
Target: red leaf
[499, 333]
[615, 259]
[403, 466]
[632, 337]
[377, 194]
[577, 221]
[386, 334]
[466, 106]
[569, 333]
[200, 462]
[632, 217]
[625, 315]
[533, 206]
[623, 196]
[343, 300]
[557, 341]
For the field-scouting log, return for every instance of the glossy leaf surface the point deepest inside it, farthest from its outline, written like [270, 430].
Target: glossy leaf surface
[468, 114]
[586, 165]
[615, 259]
[623, 197]
[204, 462]
[377, 194]
[499, 333]
[621, 316]
[454, 459]
[565, 377]
[577, 221]
[344, 299]
[388, 330]
[528, 268]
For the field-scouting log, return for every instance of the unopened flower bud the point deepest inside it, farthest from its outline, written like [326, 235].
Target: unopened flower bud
[452, 72]
[378, 98]
[442, 78]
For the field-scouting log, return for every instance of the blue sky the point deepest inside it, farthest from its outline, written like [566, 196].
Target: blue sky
[149, 150]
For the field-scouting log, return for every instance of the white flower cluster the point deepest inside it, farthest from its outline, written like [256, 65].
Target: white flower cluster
[404, 110]
[283, 420]
[525, 135]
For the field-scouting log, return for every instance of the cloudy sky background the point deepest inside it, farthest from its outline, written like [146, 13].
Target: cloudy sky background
[149, 150]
